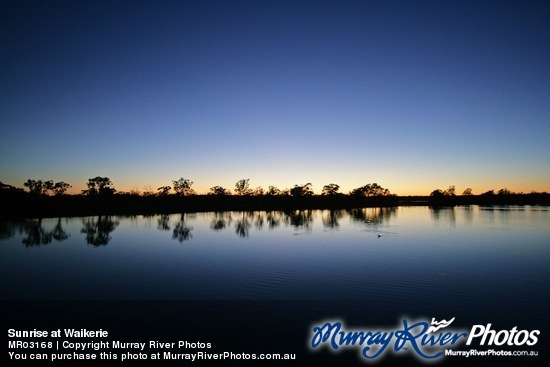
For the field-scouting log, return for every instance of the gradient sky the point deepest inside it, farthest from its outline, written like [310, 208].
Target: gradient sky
[413, 95]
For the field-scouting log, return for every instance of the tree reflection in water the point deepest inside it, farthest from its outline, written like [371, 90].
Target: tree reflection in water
[7, 229]
[181, 231]
[258, 219]
[58, 233]
[372, 215]
[242, 226]
[37, 235]
[98, 231]
[299, 218]
[220, 220]
[163, 222]
[330, 220]
[443, 214]
[273, 219]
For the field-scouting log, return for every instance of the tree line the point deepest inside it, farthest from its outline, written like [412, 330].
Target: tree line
[46, 198]
[103, 186]
[451, 191]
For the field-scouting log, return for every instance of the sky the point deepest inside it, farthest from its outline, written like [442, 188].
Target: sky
[413, 95]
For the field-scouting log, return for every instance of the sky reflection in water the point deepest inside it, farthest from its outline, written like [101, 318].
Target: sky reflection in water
[396, 256]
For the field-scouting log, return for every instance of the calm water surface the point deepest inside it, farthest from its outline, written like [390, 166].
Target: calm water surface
[467, 255]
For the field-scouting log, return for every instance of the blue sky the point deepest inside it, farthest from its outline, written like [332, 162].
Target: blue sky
[413, 95]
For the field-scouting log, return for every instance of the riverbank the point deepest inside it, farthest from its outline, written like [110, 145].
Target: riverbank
[24, 205]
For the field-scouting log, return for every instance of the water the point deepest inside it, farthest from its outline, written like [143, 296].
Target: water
[406, 254]
[258, 281]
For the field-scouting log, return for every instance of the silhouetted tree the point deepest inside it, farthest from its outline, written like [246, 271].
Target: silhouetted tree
[164, 190]
[488, 193]
[218, 190]
[37, 187]
[258, 191]
[242, 187]
[40, 187]
[450, 191]
[99, 186]
[182, 187]
[60, 188]
[372, 189]
[273, 191]
[9, 188]
[331, 189]
[504, 191]
[467, 192]
[48, 186]
[304, 190]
